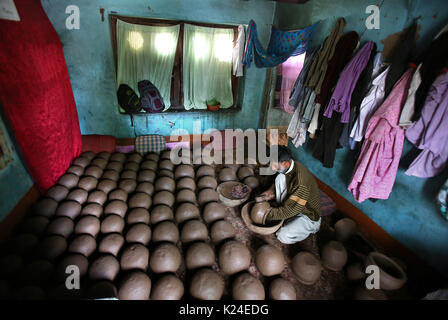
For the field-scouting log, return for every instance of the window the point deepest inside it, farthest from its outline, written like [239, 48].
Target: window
[189, 63]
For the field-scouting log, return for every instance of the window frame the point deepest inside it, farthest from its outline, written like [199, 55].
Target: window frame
[176, 94]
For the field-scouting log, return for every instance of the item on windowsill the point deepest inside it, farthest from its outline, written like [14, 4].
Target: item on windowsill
[213, 105]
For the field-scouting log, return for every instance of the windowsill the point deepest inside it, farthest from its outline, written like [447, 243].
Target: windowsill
[228, 110]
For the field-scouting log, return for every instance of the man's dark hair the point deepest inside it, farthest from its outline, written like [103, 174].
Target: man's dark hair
[284, 154]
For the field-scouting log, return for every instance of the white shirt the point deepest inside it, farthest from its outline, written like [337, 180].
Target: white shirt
[238, 51]
[280, 184]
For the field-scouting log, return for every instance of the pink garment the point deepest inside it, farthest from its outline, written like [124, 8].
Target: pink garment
[377, 165]
[290, 70]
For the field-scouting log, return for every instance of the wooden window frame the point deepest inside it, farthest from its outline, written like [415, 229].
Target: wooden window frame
[176, 95]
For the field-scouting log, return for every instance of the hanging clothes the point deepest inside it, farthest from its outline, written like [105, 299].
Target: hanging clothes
[326, 144]
[343, 52]
[238, 52]
[340, 100]
[430, 132]
[299, 88]
[319, 66]
[282, 45]
[409, 107]
[376, 168]
[401, 56]
[442, 200]
[291, 69]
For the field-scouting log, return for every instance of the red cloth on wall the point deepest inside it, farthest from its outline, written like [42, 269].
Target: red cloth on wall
[36, 94]
[98, 143]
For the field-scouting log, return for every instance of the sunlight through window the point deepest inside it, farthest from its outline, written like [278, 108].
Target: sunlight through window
[201, 47]
[223, 48]
[165, 43]
[135, 40]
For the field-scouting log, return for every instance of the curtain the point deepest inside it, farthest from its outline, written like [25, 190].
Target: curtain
[146, 53]
[207, 66]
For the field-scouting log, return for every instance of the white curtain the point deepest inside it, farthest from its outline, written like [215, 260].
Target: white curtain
[207, 65]
[146, 53]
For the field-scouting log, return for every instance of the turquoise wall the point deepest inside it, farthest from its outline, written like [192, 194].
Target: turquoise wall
[89, 56]
[14, 179]
[410, 214]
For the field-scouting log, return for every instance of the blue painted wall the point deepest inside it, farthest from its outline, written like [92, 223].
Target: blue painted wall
[14, 179]
[89, 56]
[410, 214]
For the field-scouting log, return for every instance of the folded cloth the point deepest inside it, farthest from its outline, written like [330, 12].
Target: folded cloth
[150, 143]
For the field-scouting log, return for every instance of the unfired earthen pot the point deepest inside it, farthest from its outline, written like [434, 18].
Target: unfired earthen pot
[133, 166]
[101, 163]
[355, 272]
[57, 193]
[140, 200]
[102, 290]
[93, 171]
[115, 165]
[193, 230]
[81, 161]
[165, 231]
[185, 195]
[69, 209]
[206, 284]
[146, 176]
[258, 211]
[152, 156]
[227, 174]
[111, 244]
[199, 255]
[104, 267]
[70, 180]
[269, 260]
[24, 243]
[128, 174]
[84, 244]
[205, 170]
[98, 197]
[252, 182]
[88, 154]
[334, 256]
[78, 195]
[104, 155]
[111, 175]
[137, 215]
[306, 267]
[146, 187]
[184, 170]
[74, 259]
[88, 225]
[281, 289]
[117, 207]
[214, 211]
[168, 287]
[87, 183]
[244, 172]
[118, 194]
[234, 257]
[165, 173]
[117, 156]
[35, 225]
[165, 258]
[186, 211]
[135, 157]
[221, 230]
[186, 183]
[135, 285]
[76, 170]
[392, 275]
[139, 233]
[45, 207]
[106, 185]
[165, 183]
[62, 226]
[166, 164]
[92, 209]
[161, 213]
[149, 165]
[51, 247]
[134, 256]
[112, 223]
[207, 195]
[127, 185]
[207, 182]
[247, 287]
[163, 197]
[344, 229]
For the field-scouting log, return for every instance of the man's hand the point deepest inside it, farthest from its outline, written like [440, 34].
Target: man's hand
[267, 195]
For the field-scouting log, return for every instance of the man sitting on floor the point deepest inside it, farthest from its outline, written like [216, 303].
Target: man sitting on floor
[297, 196]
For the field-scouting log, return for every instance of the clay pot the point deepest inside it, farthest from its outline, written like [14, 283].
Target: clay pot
[98, 197]
[10, 265]
[61, 226]
[128, 174]
[165, 258]
[84, 244]
[101, 163]
[106, 185]
[334, 256]
[166, 164]
[258, 212]
[69, 180]
[221, 230]
[163, 197]
[102, 290]
[131, 166]
[117, 156]
[269, 260]
[92, 209]
[227, 174]
[281, 289]
[362, 293]
[111, 224]
[134, 157]
[165, 155]
[81, 161]
[184, 170]
[214, 211]
[111, 175]
[205, 170]
[392, 275]
[152, 156]
[57, 193]
[137, 215]
[134, 256]
[69, 209]
[345, 228]
[118, 194]
[93, 171]
[247, 287]
[166, 231]
[165, 183]
[139, 233]
[193, 230]
[145, 187]
[74, 259]
[117, 207]
[233, 257]
[88, 154]
[186, 211]
[245, 172]
[45, 207]
[136, 285]
[185, 195]
[146, 176]
[252, 182]
[38, 272]
[167, 287]
[206, 284]
[35, 225]
[207, 195]
[161, 213]
[233, 166]
[51, 247]
[149, 165]
[165, 173]
[355, 272]
[115, 166]
[306, 267]
[76, 170]
[199, 255]
[128, 185]
[88, 183]
[24, 243]
[111, 244]
[207, 182]
[186, 183]
[104, 155]
[88, 225]
[140, 200]
[105, 267]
